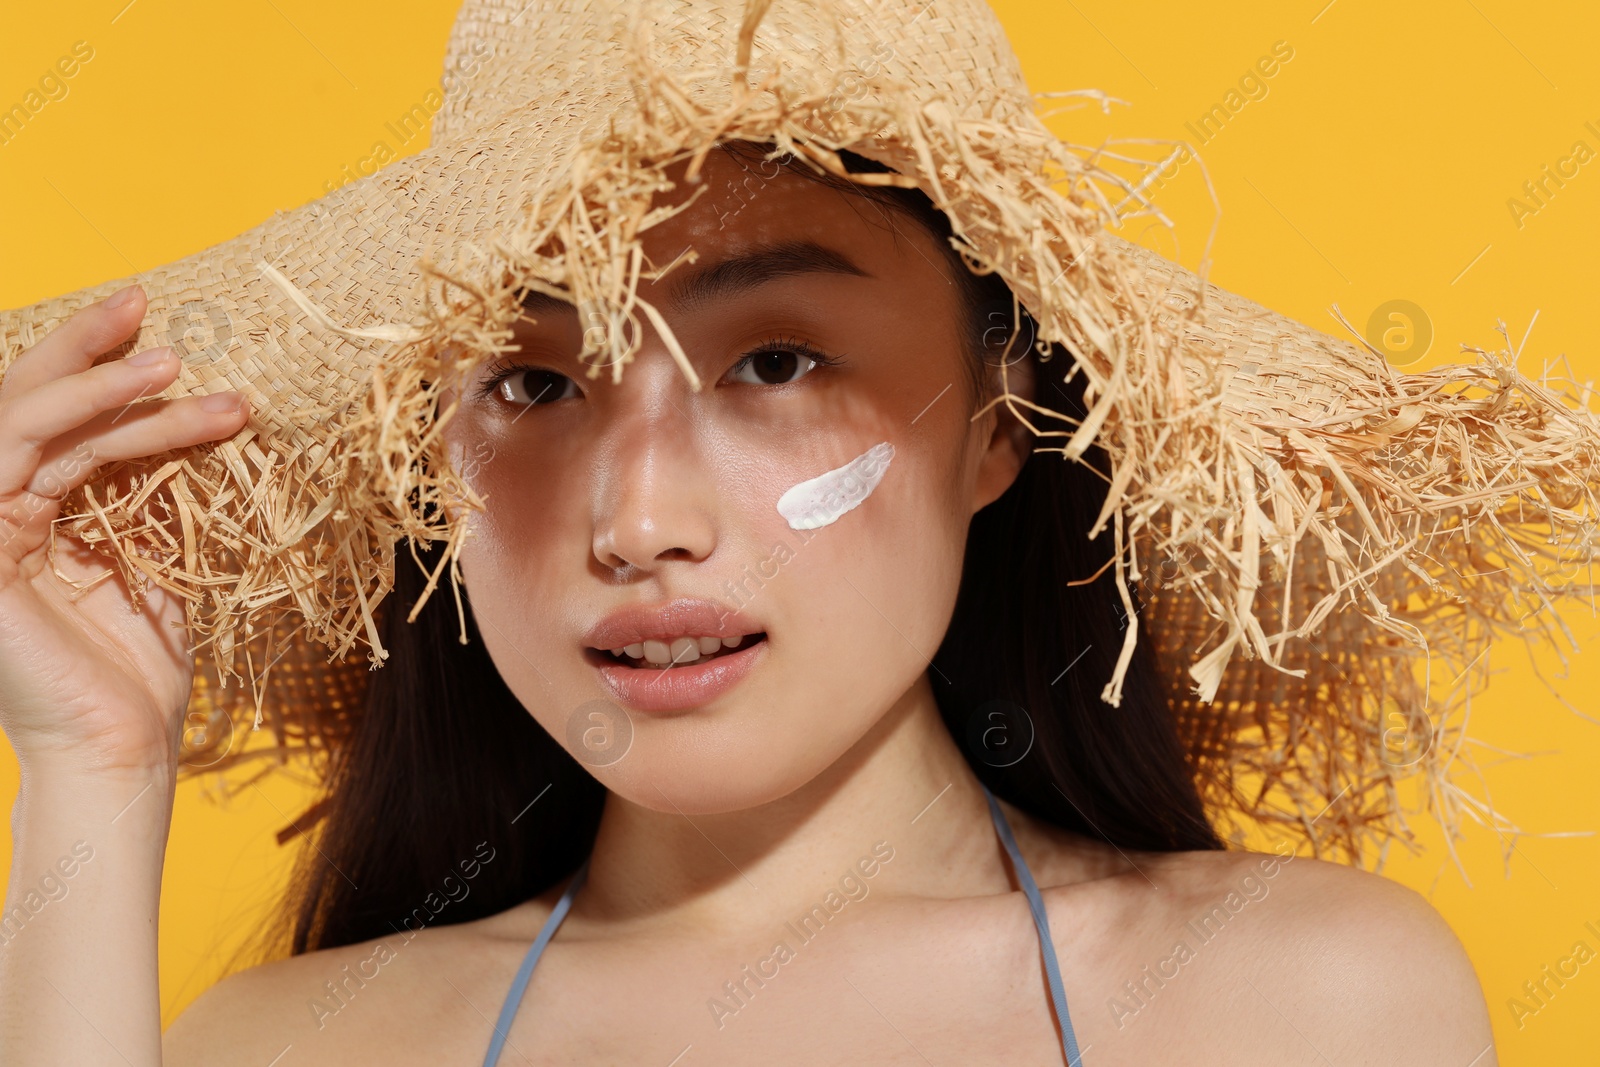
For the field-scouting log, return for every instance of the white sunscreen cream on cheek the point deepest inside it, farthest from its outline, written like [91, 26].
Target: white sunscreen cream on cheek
[821, 500]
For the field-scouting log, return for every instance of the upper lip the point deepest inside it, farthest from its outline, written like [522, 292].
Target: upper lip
[680, 617]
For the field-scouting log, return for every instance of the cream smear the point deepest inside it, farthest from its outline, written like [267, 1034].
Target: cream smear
[821, 500]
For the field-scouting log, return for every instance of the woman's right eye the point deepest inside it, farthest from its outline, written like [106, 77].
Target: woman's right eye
[526, 386]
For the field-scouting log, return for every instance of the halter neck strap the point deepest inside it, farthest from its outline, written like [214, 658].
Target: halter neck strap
[1030, 889]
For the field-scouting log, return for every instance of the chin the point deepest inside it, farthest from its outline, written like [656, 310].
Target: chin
[711, 767]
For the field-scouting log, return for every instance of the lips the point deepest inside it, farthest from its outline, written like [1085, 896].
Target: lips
[623, 644]
[676, 688]
[668, 621]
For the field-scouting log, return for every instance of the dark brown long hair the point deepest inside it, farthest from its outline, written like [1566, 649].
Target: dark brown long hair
[447, 773]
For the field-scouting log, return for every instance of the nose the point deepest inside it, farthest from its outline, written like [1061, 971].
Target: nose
[654, 490]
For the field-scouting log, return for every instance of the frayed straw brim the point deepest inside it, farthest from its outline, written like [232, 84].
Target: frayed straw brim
[1329, 545]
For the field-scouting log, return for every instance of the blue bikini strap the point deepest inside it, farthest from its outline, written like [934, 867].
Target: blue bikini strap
[1041, 922]
[519, 985]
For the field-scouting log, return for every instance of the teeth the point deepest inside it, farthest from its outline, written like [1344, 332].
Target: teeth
[678, 651]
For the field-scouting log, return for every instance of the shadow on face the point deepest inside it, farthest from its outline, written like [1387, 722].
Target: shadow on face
[829, 335]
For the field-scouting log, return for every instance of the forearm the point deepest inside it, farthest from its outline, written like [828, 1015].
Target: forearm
[78, 974]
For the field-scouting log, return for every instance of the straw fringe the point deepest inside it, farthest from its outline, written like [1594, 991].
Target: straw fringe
[1353, 485]
[1318, 531]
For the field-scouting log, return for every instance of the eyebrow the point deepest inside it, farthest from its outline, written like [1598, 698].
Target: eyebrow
[736, 274]
[748, 270]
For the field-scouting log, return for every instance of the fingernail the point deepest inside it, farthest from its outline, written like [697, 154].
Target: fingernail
[120, 297]
[220, 402]
[150, 357]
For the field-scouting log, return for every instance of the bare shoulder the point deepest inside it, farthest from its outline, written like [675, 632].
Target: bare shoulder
[1366, 960]
[432, 992]
[1322, 908]
[1332, 960]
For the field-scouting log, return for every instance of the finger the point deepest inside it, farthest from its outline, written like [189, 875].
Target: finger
[144, 429]
[71, 347]
[30, 421]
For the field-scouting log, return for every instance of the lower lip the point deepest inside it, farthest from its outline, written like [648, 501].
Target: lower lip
[689, 685]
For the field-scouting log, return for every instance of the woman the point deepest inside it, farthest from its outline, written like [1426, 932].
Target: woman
[788, 855]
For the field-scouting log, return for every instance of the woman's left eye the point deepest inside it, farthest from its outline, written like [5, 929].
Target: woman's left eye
[778, 365]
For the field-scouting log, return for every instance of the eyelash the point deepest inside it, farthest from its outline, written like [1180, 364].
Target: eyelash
[789, 344]
[500, 374]
[778, 344]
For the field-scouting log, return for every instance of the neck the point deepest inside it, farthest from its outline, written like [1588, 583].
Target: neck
[904, 791]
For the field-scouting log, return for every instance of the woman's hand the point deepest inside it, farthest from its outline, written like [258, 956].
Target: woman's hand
[88, 685]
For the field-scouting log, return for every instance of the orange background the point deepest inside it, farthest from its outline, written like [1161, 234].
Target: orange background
[1377, 163]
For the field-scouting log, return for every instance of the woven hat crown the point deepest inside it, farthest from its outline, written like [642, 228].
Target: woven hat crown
[505, 54]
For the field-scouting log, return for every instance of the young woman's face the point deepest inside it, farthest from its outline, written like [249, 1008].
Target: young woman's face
[602, 497]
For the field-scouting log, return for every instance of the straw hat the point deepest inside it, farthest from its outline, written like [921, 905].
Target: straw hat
[1326, 545]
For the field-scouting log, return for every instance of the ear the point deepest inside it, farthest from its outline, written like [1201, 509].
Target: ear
[1009, 441]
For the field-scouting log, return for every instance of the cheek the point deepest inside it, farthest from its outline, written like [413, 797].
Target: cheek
[522, 520]
[868, 595]
[512, 562]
